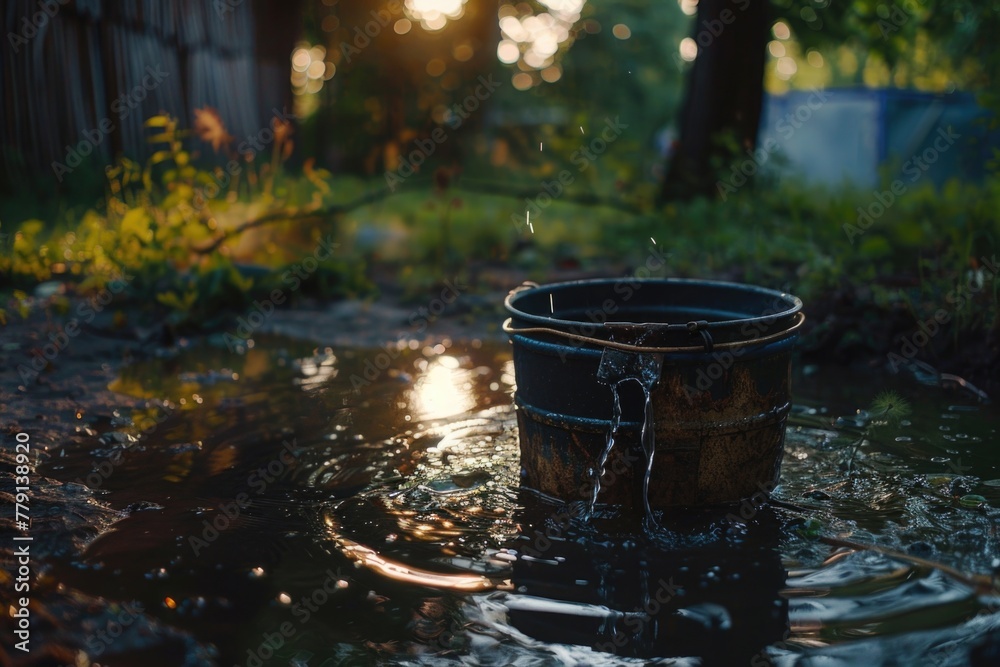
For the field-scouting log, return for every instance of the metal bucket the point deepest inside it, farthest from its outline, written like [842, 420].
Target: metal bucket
[722, 356]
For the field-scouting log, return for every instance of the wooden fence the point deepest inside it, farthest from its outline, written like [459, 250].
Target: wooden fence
[81, 76]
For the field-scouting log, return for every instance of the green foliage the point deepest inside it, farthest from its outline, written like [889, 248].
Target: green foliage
[889, 408]
[925, 247]
[934, 42]
[174, 233]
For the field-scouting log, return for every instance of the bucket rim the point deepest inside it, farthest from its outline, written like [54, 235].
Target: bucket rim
[527, 288]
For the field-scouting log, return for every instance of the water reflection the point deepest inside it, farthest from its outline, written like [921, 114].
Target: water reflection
[443, 389]
[720, 601]
[405, 494]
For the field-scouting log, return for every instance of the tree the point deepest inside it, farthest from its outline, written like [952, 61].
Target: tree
[722, 104]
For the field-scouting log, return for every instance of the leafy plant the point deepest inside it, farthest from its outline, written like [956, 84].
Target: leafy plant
[886, 411]
[180, 232]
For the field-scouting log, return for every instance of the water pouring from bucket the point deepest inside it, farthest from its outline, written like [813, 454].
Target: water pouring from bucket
[616, 368]
[705, 414]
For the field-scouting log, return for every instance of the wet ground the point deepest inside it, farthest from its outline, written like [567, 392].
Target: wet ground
[315, 506]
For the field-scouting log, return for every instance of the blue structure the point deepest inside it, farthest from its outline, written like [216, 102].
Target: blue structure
[847, 135]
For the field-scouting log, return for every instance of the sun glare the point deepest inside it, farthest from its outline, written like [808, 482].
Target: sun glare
[434, 14]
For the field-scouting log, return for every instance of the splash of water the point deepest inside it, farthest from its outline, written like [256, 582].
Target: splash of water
[598, 471]
[648, 440]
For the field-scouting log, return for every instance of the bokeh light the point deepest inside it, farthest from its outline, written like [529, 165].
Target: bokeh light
[330, 23]
[507, 52]
[522, 81]
[621, 31]
[689, 7]
[688, 49]
[316, 69]
[300, 59]
[310, 69]
[435, 67]
[786, 68]
[533, 41]
[552, 74]
[434, 14]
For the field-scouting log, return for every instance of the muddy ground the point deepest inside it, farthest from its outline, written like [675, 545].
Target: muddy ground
[66, 403]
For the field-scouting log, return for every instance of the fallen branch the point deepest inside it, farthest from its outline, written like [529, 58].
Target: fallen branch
[492, 188]
[520, 193]
[299, 216]
[981, 583]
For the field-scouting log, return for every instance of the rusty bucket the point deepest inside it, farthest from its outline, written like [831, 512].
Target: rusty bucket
[711, 364]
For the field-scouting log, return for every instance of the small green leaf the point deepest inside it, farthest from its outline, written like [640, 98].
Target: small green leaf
[810, 529]
[972, 500]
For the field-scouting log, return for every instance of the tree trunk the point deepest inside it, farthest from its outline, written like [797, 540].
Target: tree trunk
[722, 103]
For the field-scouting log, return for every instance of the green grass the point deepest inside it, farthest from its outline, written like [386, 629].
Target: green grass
[916, 255]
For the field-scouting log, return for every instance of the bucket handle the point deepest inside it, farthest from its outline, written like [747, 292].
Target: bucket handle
[509, 329]
[527, 284]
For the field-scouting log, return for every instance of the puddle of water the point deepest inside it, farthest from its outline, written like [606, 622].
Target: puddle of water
[341, 507]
